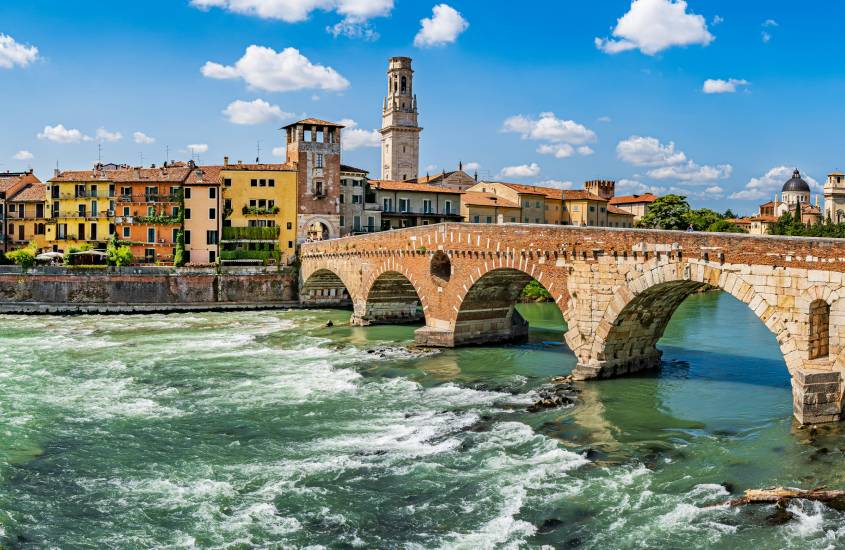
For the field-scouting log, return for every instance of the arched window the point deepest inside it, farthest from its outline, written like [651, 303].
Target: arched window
[404, 84]
[819, 329]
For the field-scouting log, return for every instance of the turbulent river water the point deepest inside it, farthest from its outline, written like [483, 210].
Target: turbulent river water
[267, 430]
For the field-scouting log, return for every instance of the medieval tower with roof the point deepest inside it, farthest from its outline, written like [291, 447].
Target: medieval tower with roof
[400, 130]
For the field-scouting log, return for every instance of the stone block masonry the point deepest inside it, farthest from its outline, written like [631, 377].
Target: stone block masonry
[130, 291]
[617, 290]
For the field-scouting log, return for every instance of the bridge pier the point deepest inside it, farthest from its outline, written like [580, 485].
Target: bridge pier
[594, 370]
[817, 396]
[386, 313]
[511, 328]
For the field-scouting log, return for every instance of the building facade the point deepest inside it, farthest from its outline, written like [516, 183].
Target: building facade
[406, 204]
[202, 217]
[149, 209]
[638, 205]
[400, 130]
[477, 207]
[80, 209]
[259, 212]
[26, 221]
[359, 211]
[10, 184]
[314, 146]
[834, 197]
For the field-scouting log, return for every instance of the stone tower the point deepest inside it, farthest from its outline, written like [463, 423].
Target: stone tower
[314, 145]
[605, 189]
[400, 130]
[834, 197]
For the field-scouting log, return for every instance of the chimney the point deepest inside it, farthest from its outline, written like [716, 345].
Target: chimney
[225, 161]
[240, 162]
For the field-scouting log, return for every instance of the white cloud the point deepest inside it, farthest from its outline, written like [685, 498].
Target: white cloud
[764, 187]
[293, 11]
[471, 167]
[198, 148]
[549, 128]
[639, 188]
[254, 112]
[715, 190]
[691, 172]
[356, 138]
[770, 23]
[521, 171]
[585, 150]
[60, 134]
[766, 37]
[605, 119]
[23, 155]
[559, 150]
[14, 54]
[142, 138]
[717, 86]
[264, 68]
[648, 151]
[556, 184]
[717, 20]
[351, 29]
[443, 27]
[655, 25]
[280, 152]
[105, 135]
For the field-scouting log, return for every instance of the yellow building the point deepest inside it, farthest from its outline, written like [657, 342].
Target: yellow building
[259, 212]
[80, 209]
[26, 216]
[479, 207]
[583, 208]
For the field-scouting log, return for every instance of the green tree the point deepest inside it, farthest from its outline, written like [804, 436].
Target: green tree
[535, 292]
[120, 256]
[724, 226]
[179, 255]
[667, 212]
[729, 214]
[703, 218]
[24, 257]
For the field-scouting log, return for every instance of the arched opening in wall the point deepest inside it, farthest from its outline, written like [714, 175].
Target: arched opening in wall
[325, 288]
[392, 299]
[441, 267]
[317, 231]
[489, 312]
[819, 329]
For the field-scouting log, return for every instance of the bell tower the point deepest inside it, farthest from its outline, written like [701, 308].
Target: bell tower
[400, 130]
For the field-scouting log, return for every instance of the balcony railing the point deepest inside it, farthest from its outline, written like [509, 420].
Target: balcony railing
[251, 233]
[86, 215]
[150, 198]
[256, 211]
[419, 211]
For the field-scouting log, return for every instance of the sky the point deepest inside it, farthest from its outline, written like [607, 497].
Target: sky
[716, 100]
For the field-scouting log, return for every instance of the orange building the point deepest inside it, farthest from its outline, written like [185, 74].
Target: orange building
[149, 210]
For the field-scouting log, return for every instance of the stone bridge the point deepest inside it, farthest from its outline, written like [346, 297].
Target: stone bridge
[616, 289]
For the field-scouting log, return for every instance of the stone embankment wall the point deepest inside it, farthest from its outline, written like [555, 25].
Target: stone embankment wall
[57, 290]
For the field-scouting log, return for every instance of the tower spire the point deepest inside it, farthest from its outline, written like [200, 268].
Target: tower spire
[400, 151]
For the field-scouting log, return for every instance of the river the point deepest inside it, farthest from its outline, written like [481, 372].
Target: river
[267, 430]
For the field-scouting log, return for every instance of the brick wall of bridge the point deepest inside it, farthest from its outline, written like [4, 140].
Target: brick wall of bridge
[616, 289]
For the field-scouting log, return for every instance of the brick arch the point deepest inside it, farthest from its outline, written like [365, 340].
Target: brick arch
[630, 327]
[391, 293]
[486, 296]
[326, 284]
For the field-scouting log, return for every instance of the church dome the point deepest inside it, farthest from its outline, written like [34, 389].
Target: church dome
[796, 184]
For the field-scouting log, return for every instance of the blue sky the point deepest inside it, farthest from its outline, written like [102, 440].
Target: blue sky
[555, 91]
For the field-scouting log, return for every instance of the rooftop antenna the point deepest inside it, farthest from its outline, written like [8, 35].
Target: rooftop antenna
[142, 159]
[258, 152]
[100, 153]
[167, 153]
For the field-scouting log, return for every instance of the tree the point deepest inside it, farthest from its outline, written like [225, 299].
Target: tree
[667, 212]
[120, 256]
[179, 255]
[703, 218]
[729, 214]
[24, 257]
[724, 226]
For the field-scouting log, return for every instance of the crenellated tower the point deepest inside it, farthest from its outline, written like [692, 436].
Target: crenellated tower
[605, 189]
[400, 130]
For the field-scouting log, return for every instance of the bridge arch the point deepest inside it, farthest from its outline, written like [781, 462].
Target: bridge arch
[390, 296]
[486, 309]
[626, 337]
[323, 286]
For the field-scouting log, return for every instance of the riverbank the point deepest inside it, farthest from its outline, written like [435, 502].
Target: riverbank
[146, 290]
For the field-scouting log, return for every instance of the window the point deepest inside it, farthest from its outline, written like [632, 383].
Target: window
[342, 201]
[175, 212]
[126, 232]
[343, 183]
[356, 199]
[211, 237]
[592, 208]
[448, 207]
[526, 219]
[175, 236]
[262, 183]
[187, 237]
[427, 206]
[536, 220]
[187, 192]
[271, 183]
[126, 211]
[489, 219]
[388, 205]
[93, 231]
[526, 204]
[290, 225]
[151, 211]
[476, 219]
[290, 244]
[212, 193]
[601, 209]
[404, 205]
[576, 208]
[126, 191]
[212, 213]
[356, 223]
[253, 183]
[513, 220]
[227, 182]
[212, 257]
[342, 221]
[151, 235]
[187, 213]
[81, 209]
[319, 161]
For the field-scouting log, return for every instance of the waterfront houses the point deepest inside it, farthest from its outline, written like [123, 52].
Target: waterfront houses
[638, 205]
[11, 183]
[259, 212]
[148, 216]
[202, 215]
[477, 207]
[26, 219]
[80, 208]
[359, 211]
[407, 204]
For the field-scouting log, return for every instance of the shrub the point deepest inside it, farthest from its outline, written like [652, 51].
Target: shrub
[24, 257]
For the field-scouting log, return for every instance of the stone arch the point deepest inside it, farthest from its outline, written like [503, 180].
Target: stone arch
[327, 226]
[486, 310]
[324, 287]
[626, 337]
[390, 296]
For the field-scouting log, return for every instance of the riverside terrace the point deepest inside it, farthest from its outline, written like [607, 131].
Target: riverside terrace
[616, 289]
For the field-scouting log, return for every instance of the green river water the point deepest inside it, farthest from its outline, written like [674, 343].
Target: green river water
[267, 430]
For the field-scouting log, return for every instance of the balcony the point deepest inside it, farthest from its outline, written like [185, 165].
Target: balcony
[157, 220]
[251, 233]
[150, 198]
[86, 215]
[257, 211]
[372, 207]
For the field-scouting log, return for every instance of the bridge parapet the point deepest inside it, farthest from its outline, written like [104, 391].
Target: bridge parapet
[616, 289]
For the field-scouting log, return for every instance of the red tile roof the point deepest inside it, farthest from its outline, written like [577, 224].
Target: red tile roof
[347, 168]
[579, 194]
[633, 199]
[204, 175]
[8, 180]
[33, 192]
[387, 185]
[475, 198]
[618, 211]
